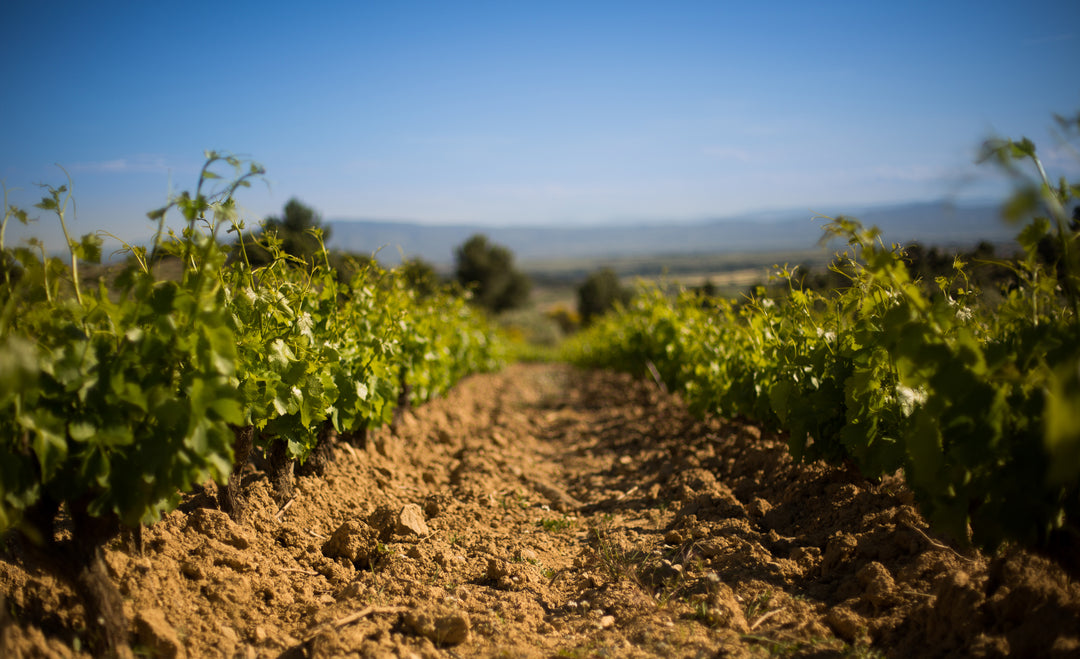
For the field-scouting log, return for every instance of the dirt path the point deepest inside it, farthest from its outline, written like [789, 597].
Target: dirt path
[551, 512]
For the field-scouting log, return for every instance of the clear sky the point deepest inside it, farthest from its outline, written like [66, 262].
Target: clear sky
[520, 112]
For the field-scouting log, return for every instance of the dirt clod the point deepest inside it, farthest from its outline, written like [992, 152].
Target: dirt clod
[153, 632]
[724, 610]
[847, 624]
[219, 526]
[354, 541]
[439, 625]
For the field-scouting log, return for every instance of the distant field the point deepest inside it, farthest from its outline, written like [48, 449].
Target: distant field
[576, 269]
[555, 281]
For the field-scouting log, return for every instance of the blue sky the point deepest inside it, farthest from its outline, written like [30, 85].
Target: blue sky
[529, 112]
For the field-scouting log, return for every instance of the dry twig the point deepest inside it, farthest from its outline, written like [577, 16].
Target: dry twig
[655, 375]
[281, 513]
[937, 545]
[353, 617]
[365, 612]
[763, 618]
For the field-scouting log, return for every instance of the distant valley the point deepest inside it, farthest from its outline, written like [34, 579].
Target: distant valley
[929, 223]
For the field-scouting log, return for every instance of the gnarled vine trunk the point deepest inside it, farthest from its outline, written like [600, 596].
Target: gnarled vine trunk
[403, 400]
[280, 470]
[106, 622]
[322, 455]
[230, 498]
[356, 438]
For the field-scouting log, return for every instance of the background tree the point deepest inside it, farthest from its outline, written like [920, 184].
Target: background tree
[1050, 249]
[292, 228]
[599, 294]
[420, 276]
[347, 264]
[708, 288]
[489, 271]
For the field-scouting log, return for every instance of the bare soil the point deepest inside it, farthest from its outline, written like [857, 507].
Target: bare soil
[551, 512]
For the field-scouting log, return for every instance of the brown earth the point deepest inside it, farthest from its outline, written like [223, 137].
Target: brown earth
[551, 512]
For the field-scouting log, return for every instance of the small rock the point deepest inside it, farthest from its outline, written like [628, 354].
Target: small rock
[527, 555]
[442, 626]
[673, 537]
[155, 633]
[142, 564]
[354, 541]
[227, 640]
[410, 521]
[606, 621]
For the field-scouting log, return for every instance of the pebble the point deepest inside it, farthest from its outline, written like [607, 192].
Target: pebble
[411, 521]
[154, 632]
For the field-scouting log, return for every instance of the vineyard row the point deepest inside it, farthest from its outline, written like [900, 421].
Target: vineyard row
[976, 398]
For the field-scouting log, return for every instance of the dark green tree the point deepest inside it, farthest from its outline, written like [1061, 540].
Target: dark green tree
[420, 276]
[708, 288]
[292, 229]
[599, 294]
[346, 265]
[488, 270]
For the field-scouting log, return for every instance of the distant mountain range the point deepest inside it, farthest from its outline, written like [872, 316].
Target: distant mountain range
[929, 223]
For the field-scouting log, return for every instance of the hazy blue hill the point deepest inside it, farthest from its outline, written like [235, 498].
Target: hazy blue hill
[931, 223]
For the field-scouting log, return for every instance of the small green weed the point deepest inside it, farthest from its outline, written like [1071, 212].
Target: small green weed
[515, 500]
[759, 604]
[784, 645]
[557, 525]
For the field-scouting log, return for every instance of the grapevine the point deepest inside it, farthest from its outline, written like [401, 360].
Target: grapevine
[975, 402]
[117, 399]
